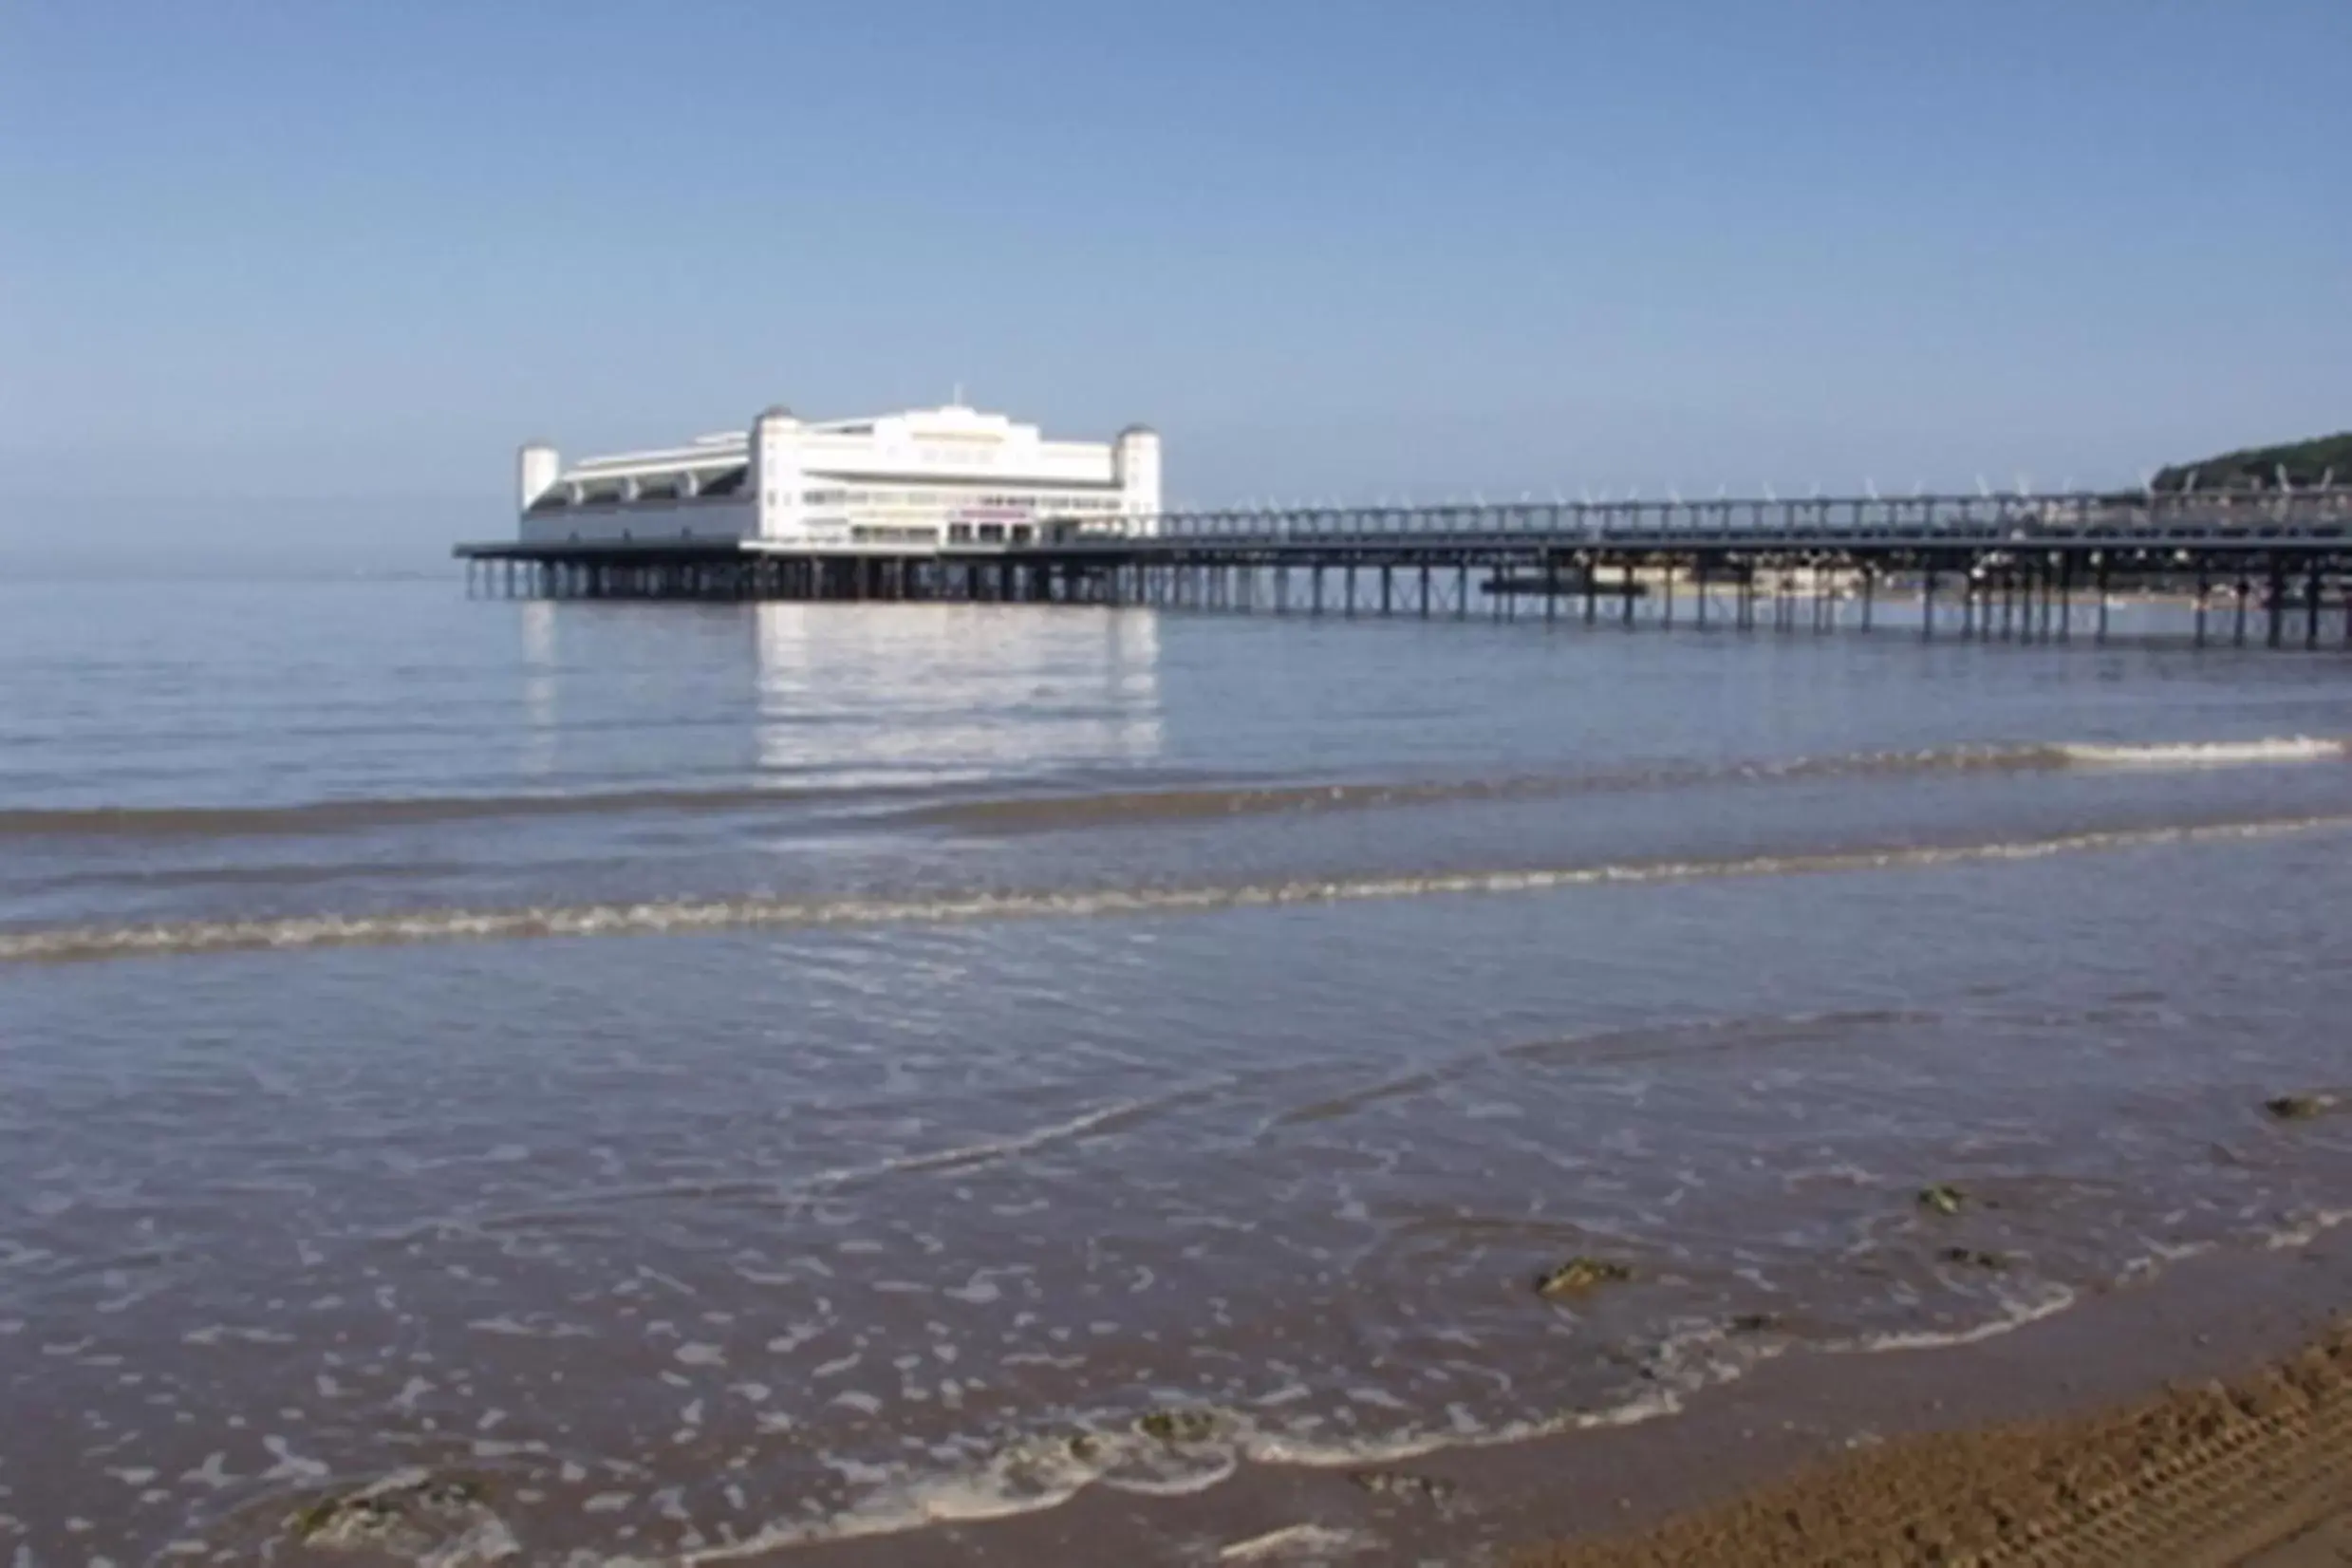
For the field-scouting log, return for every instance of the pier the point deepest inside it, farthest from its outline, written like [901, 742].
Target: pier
[2273, 568]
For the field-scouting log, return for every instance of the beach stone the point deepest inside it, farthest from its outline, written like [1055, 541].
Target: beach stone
[1578, 1275]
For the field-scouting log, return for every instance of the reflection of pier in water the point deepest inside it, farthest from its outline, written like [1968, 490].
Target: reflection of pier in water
[966, 690]
[2272, 566]
[827, 697]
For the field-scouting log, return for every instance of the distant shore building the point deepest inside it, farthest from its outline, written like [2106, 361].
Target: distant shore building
[902, 484]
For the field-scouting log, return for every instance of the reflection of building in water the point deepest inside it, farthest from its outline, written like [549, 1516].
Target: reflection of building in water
[897, 483]
[541, 717]
[913, 695]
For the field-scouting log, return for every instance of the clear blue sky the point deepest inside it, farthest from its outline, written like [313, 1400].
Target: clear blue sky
[299, 276]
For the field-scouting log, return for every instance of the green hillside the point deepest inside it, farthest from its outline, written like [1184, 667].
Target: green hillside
[2257, 467]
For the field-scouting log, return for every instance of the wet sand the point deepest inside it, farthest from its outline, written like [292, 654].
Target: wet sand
[2204, 1419]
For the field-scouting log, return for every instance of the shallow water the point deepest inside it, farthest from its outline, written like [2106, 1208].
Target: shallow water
[717, 1075]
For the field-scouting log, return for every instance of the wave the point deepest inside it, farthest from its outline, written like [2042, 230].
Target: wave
[2016, 1312]
[299, 933]
[565, 1209]
[1016, 814]
[1098, 1122]
[327, 816]
[1012, 813]
[2306, 1229]
[1625, 1044]
[2207, 754]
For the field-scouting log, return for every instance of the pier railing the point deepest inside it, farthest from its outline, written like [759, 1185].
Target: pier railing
[2211, 520]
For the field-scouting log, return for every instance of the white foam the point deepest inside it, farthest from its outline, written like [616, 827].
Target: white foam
[2016, 1313]
[1663, 1400]
[1320, 1540]
[998, 1148]
[290, 1465]
[2307, 1231]
[2205, 753]
[1043, 1477]
[483, 1542]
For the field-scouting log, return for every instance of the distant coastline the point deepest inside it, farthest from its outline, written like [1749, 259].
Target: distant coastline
[2320, 460]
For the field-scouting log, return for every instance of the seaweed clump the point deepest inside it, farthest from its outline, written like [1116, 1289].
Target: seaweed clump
[1579, 1275]
[1943, 1198]
[408, 1514]
[1179, 1425]
[1972, 1257]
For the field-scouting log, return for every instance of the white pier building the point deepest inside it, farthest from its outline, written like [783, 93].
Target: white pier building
[898, 485]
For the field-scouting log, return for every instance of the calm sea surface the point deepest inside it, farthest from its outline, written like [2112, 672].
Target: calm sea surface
[693, 1078]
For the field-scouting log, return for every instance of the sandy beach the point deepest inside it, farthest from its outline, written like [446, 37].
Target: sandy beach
[2253, 1473]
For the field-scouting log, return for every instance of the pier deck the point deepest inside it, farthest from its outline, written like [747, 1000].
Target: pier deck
[2015, 566]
